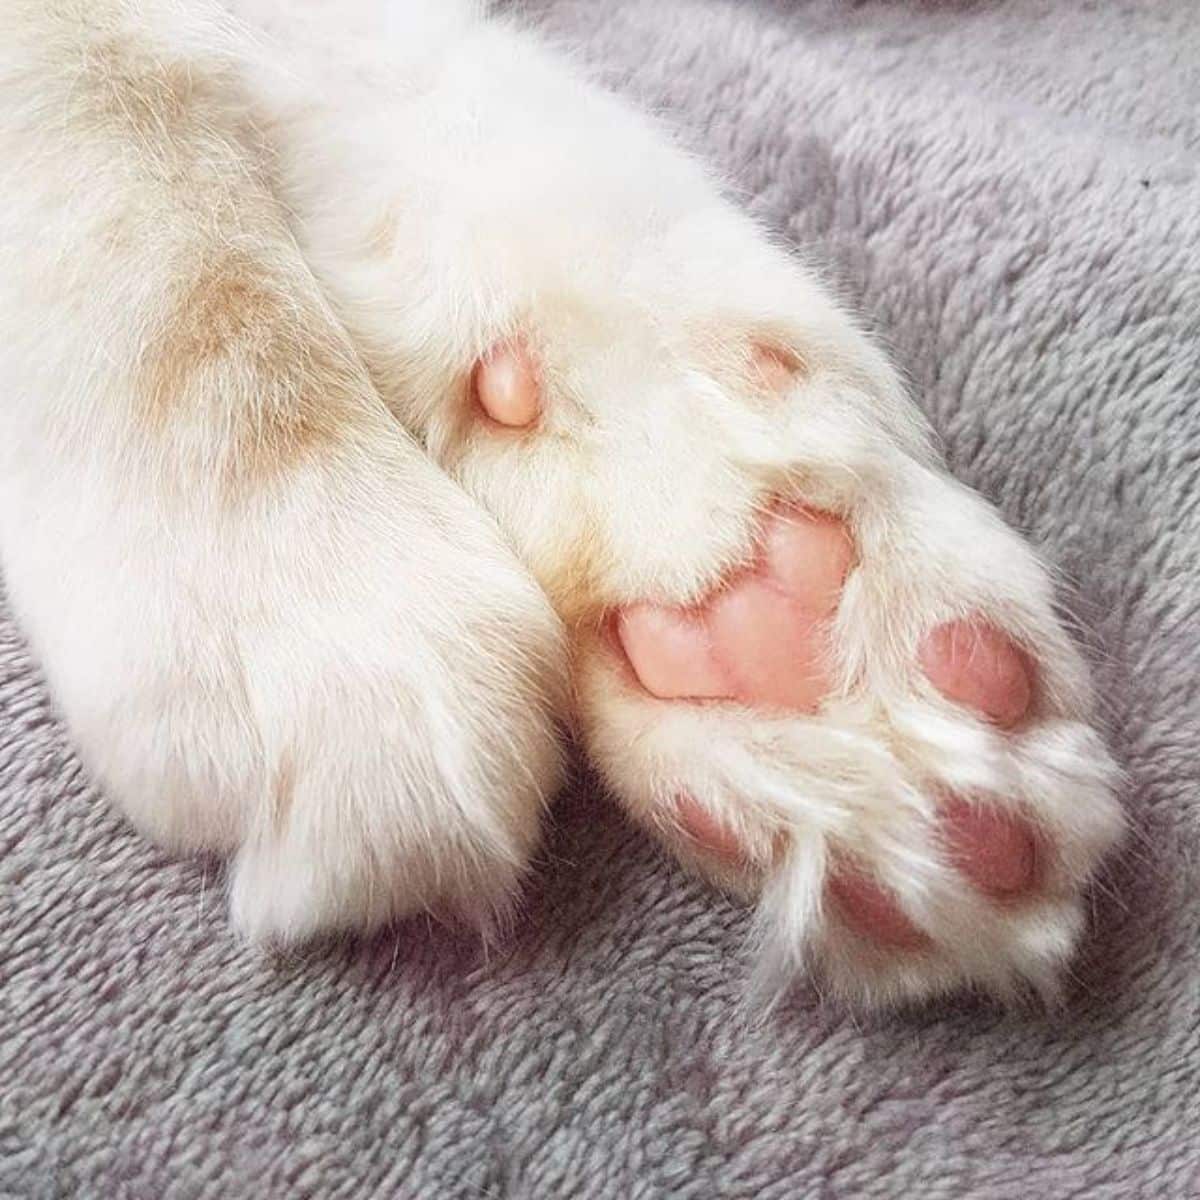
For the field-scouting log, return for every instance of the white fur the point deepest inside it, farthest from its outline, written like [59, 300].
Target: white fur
[265, 672]
[452, 182]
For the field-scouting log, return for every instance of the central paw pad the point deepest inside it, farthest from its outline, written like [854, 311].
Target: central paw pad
[762, 639]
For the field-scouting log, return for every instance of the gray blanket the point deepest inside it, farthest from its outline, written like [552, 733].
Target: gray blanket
[1009, 190]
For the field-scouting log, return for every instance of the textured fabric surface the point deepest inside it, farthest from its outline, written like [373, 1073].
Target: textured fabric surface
[1009, 190]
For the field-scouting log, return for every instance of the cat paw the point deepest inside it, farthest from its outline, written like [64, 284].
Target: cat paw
[833, 683]
[349, 686]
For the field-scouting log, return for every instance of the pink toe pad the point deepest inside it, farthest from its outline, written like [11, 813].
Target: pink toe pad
[872, 912]
[774, 369]
[978, 667]
[994, 850]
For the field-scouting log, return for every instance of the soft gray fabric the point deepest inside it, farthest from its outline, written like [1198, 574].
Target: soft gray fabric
[1010, 191]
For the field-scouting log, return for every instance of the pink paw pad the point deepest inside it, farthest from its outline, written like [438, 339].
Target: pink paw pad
[763, 638]
[506, 385]
[978, 667]
[995, 850]
[871, 911]
[774, 369]
[706, 831]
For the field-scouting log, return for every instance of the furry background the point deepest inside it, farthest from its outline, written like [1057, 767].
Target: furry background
[1010, 191]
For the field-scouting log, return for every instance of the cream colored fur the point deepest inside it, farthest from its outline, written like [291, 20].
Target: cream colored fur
[274, 627]
[277, 629]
